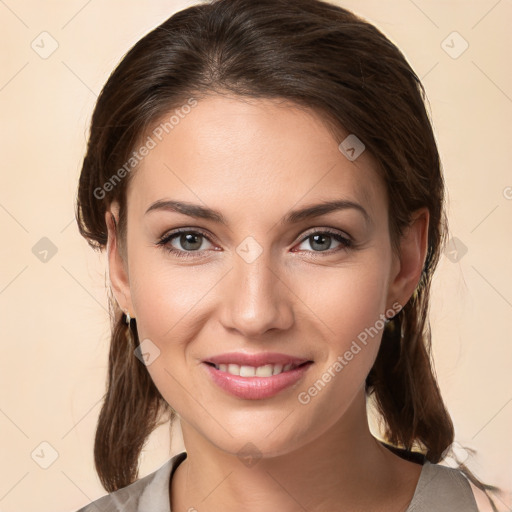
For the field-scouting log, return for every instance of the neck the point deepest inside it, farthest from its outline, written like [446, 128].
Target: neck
[344, 469]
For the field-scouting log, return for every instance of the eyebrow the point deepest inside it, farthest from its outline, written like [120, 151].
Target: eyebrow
[308, 212]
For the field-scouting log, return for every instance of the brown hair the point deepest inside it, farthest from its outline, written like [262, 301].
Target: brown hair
[321, 57]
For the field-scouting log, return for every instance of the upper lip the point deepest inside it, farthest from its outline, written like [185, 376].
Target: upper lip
[260, 359]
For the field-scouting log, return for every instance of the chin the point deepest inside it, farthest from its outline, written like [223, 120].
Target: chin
[261, 439]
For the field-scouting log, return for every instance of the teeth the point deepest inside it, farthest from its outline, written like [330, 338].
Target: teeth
[247, 371]
[250, 371]
[278, 368]
[265, 371]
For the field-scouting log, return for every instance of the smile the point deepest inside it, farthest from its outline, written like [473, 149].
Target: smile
[266, 370]
[255, 383]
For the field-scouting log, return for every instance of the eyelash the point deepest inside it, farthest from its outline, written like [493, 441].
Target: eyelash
[164, 241]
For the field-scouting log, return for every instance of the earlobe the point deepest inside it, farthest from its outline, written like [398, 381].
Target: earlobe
[116, 265]
[413, 252]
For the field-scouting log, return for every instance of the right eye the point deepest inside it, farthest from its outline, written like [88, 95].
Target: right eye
[190, 241]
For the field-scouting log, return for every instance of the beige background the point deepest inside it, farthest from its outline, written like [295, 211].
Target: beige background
[54, 322]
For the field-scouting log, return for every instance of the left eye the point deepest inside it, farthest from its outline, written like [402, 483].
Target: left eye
[322, 241]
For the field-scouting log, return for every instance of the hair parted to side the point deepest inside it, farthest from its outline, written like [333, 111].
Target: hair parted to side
[318, 56]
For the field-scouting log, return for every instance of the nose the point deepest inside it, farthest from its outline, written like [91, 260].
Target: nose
[257, 298]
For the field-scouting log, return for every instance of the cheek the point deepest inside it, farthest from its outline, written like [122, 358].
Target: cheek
[172, 305]
[347, 301]
[165, 295]
[348, 309]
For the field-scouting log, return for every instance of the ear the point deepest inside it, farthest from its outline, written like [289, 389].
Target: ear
[408, 265]
[117, 266]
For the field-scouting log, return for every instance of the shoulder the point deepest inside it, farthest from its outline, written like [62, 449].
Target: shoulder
[442, 489]
[148, 493]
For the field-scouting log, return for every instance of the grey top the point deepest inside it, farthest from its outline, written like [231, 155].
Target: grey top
[439, 489]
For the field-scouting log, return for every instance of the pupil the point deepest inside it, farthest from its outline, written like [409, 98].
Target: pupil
[322, 238]
[187, 241]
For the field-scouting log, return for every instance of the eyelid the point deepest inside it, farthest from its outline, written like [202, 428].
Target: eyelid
[331, 231]
[170, 235]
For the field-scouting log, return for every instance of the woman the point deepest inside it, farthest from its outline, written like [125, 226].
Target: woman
[266, 183]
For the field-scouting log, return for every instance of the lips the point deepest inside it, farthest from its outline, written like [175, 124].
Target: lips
[255, 376]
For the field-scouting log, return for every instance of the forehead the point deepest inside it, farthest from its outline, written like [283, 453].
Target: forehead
[256, 154]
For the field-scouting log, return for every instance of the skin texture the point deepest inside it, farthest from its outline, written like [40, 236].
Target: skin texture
[255, 161]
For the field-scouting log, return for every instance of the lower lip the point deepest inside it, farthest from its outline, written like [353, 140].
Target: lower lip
[256, 388]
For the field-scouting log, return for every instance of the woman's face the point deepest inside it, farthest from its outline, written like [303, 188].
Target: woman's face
[265, 279]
